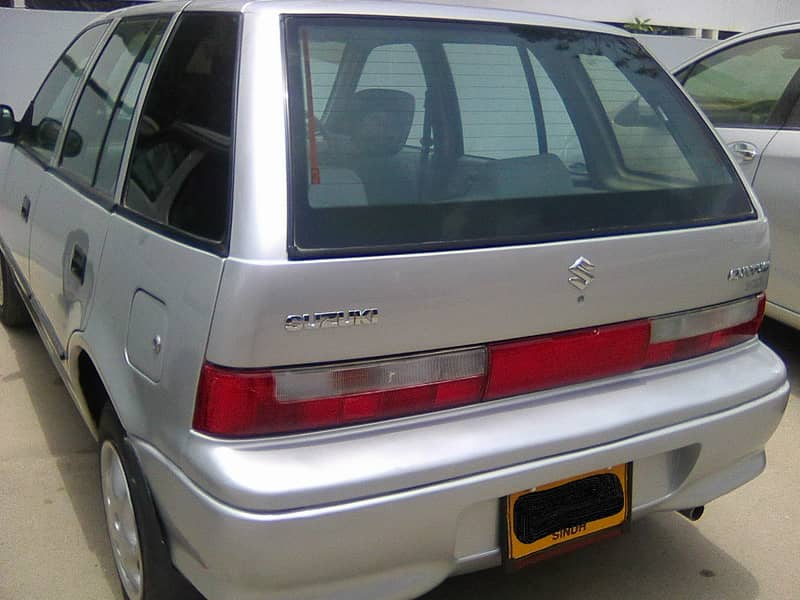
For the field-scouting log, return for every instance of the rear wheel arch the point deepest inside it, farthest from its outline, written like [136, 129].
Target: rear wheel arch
[93, 389]
[90, 377]
[162, 579]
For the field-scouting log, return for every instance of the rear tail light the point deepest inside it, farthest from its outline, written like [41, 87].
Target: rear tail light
[697, 332]
[549, 361]
[232, 402]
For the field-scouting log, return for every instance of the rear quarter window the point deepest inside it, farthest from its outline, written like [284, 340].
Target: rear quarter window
[180, 170]
[410, 136]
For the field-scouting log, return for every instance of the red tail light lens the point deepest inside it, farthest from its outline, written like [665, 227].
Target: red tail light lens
[541, 363]
[233, 402]
[238, 403]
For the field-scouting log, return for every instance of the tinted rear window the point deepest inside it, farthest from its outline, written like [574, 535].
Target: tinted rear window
[410, 136]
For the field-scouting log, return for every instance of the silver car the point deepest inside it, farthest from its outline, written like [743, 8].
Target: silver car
[749, 87]
[359, 297]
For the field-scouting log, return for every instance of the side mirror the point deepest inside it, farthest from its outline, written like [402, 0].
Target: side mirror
[8, 126]
[47, 133]
[73, 144]
[47, 136]
[638, 113]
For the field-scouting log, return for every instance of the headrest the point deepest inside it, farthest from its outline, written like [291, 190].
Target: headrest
[380, 121]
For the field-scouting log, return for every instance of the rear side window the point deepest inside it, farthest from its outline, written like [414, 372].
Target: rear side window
[560, 135]
[497, 116]
[641, 130]
[93, 148]
[44, 119]
[448, 136]
[742, 86]
[397, 67]
[180, 170]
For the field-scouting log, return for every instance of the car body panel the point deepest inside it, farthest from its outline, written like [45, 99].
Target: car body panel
[22, 180]
[244, 518]
[184, 280]
[67, 236]
[422, 304]
[777, 183]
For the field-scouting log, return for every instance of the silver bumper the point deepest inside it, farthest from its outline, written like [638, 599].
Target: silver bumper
[403, 542]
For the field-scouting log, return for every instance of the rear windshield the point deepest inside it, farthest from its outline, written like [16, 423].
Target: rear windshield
[411, 135]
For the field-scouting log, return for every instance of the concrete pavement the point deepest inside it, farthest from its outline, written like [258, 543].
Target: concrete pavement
[53, 542]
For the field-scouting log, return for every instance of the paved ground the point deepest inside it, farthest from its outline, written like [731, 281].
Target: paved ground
[53, 544]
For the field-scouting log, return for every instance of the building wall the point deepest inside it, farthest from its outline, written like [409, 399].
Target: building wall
[32, 40]
[672, 50]
[729, 15]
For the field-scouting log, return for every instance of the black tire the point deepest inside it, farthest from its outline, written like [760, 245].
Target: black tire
[13, 312]
[159, 579]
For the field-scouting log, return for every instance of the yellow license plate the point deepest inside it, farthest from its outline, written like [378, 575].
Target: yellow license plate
[564, 515]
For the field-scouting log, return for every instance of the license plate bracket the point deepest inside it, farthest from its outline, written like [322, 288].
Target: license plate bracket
[562, 516]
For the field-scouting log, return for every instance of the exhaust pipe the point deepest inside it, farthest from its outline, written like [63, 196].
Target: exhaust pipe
[693, 513]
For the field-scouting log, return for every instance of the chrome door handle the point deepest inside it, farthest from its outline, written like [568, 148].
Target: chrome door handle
[744, 151]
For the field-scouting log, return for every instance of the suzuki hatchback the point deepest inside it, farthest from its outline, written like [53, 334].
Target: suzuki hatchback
[359, 296]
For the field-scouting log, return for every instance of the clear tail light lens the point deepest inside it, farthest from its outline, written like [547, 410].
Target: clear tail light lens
[684, 335]
[240, 403]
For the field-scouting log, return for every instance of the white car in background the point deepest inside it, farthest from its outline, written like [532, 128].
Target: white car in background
[749, 87]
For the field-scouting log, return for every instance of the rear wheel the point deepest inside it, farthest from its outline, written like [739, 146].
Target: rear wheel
[13, 312]
[138, 546]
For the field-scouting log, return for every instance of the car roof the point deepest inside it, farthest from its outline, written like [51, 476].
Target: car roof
[374, 7]
[738, 39]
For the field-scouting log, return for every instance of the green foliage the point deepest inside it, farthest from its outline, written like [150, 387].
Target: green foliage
[641, 26]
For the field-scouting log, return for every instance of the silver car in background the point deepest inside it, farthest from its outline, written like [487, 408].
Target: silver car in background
[749, 87]
[359, 296]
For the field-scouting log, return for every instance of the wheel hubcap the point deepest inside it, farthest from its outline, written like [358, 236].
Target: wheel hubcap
[121, 521]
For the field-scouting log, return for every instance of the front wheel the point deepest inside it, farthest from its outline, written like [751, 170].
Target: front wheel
[140, 551]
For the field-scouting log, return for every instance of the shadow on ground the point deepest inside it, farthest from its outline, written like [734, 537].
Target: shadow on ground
[664, 556]
[68, 441]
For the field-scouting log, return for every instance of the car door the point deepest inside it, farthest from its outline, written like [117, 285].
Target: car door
[69, 222]
[777, 183]
[748, 91]
[39, 131]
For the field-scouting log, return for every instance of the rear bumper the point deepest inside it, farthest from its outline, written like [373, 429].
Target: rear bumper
[401, 543]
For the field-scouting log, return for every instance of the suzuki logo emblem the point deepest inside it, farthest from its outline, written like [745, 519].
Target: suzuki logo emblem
[582, 273]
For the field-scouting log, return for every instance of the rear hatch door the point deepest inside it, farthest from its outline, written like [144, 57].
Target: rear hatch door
[453, 184]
